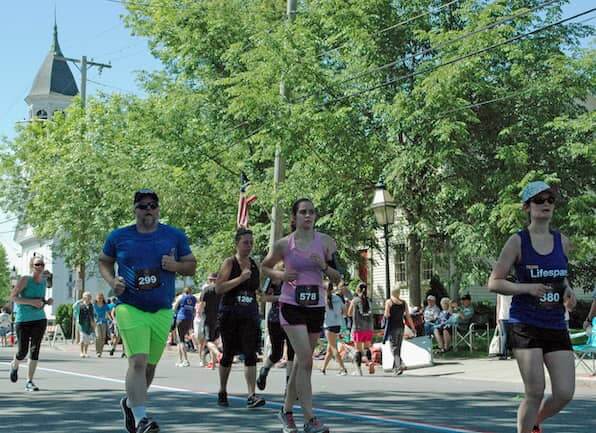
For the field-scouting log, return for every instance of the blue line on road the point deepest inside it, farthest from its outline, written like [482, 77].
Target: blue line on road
[374, 419]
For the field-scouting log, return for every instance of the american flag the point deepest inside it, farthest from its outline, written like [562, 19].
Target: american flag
[244, 202]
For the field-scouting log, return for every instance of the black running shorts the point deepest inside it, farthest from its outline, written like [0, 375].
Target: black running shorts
[525, 336]
[183, 327]
[312, 317]
[211, 331]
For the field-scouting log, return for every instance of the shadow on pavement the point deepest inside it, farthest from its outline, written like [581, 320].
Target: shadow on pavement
[97, 410]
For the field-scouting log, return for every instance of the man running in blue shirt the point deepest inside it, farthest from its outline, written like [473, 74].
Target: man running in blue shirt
[149, 255]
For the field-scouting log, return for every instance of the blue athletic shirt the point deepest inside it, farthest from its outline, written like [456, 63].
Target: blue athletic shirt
[551, 270]
[101, 313]
[186, 307]
[148, 286]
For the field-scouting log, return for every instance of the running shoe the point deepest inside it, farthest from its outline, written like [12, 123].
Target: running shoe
[323, 371]
[358, 372]
[129, 418]
[254, 401]
[262, 379]
[14, 374]
[315, 426]
[112, 350]
[287, 420]
[536, 429]
[371, 368]
[222, 399]
[30, 386]
[343, 372]
[147, 425]
[211, 366]
[185, 363]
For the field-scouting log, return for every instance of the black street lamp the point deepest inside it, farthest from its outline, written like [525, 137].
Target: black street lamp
[384, 208]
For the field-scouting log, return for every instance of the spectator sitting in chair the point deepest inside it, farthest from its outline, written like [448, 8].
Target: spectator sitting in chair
[431, 314]
[587, 325]
[466, 312]
[442, 328]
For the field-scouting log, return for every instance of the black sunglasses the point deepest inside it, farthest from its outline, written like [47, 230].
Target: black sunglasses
[541, 200]
[39, 264]
[147, 206]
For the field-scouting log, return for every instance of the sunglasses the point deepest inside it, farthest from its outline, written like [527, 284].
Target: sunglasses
[147, 206]
[541, 200]
[39, 264]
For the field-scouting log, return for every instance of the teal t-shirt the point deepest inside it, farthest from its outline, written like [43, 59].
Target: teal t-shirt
[32, 290]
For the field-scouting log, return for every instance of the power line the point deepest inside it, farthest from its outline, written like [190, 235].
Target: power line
[110, 86]
[458, 59]
[480, 104]
[451, 41]
[393, 26]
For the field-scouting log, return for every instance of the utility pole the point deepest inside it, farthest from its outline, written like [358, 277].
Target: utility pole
[85, 65]
[279, 165]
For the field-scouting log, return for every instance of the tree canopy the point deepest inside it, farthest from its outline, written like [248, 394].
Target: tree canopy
[458, 104]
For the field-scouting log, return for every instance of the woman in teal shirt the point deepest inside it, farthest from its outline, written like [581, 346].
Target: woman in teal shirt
[30, 318]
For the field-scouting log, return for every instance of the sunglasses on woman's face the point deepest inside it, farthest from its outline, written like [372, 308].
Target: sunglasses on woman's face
[541, 200]
[39, 265]
[147, 206]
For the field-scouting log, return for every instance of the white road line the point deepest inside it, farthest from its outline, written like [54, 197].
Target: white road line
[374, 419]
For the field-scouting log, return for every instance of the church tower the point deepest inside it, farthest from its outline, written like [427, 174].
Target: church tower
[54, 85]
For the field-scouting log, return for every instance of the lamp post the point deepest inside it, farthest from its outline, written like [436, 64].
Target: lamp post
[384, 208]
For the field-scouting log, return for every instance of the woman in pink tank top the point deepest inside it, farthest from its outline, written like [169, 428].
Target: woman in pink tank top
[307, 256]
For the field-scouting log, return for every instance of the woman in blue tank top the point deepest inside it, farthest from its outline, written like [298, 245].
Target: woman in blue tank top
[539, 335]
[29, 299]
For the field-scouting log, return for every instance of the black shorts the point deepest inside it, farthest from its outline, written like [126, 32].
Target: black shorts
[239, 334]
[183, 327]
[334, 329]
[525, 336]
[312, 318]
[211, 331]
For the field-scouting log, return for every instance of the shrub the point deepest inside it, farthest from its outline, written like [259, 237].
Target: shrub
[64, 319]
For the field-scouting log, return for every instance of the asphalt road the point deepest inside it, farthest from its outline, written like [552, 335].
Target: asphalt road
[81, 395]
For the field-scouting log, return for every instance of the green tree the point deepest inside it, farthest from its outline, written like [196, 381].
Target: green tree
[4, 277]
[370, 93]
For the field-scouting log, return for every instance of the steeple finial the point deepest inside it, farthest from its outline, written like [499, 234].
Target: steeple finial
[55, 45]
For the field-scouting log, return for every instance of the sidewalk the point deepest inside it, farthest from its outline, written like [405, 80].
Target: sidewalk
[489, 369]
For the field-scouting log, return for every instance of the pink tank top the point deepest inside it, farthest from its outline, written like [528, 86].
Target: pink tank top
[309, 272]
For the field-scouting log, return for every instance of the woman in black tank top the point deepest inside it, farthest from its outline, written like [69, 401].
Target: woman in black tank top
[238, 283]
[395, 311]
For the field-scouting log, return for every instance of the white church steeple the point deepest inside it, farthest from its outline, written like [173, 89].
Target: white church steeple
[54, 85]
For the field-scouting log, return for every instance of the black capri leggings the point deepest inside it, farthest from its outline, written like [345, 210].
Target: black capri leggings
[30, 333]
[239, 334]
[277, 335]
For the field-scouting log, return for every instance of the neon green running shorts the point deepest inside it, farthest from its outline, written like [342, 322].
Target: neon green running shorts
[143, 332]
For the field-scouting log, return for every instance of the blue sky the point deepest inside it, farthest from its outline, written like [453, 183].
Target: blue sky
[85, 27]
